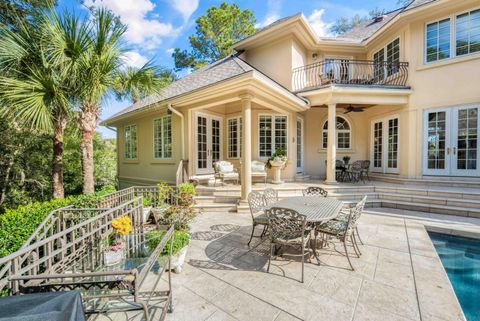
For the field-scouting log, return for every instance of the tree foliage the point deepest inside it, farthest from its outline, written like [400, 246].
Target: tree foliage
[343, 24]
[215, 34]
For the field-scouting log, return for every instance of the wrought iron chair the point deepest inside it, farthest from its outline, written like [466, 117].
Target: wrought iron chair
[340, 169]
[315, 191]
[288, 228]
[344, 230]
[271, 196]
[256, 202]
[354, 172]
[366, 169]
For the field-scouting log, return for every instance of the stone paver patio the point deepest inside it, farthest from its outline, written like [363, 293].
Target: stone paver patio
[398, 277]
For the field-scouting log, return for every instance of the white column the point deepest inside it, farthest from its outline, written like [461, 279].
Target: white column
[331, 144]
[246, 146]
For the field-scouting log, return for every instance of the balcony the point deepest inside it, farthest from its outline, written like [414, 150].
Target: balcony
[350, 72]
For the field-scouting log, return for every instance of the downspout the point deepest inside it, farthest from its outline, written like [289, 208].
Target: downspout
[182, 127]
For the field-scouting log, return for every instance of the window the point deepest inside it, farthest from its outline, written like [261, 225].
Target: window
[343, 134]
[438, 40]
[234, 137]
[162, 137]
[467, 33]
[131, 142]
[272, 134]
[387, 60]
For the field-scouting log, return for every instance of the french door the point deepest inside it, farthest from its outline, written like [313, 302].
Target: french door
[208, 134]
[385, 145]
[300, 144]
[450, 141]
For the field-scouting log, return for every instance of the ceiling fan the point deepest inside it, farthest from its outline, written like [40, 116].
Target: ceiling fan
[351, 108]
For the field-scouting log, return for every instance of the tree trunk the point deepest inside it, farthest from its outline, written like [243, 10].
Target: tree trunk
[88, 125]
[57, 161]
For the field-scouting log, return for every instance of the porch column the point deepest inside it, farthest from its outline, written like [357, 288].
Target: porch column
[331, 144]
[246, 146]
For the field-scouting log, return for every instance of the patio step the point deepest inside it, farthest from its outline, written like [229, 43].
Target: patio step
[216, 207]
[463, 182]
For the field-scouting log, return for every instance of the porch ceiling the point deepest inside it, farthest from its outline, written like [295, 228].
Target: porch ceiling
[358, 96]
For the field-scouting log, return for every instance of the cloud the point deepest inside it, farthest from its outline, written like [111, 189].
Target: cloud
[274, 8]
[318, 24]
[185, 7]
[134, 13]
[134, 59]
[170, 51]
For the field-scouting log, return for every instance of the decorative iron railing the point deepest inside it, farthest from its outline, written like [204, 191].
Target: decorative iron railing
[65, 218]
[350, 72]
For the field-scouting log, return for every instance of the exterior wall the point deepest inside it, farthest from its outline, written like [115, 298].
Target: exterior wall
[146, 170]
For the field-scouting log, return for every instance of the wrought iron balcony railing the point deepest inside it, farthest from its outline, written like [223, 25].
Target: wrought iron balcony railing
[350, 72]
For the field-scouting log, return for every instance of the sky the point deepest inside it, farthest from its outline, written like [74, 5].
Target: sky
[156, 27]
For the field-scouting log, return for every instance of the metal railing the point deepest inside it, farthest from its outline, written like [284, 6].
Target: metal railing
[55, 252]
[350, 72]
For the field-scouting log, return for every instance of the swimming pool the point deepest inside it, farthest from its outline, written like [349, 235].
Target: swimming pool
[461, 258]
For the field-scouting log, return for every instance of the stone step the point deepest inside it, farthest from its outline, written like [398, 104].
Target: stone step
[216, 207]
[463, 182]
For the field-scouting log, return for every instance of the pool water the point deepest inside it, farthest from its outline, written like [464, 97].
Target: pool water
[461, 258]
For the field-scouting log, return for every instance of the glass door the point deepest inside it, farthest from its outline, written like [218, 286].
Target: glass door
[299, 145]
[208, 142]
[437, 142]
[377, 148]
[464, 141]
[385, 147]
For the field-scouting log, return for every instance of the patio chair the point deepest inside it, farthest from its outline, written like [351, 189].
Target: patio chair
[315, 191]
[256, 202]
[354, 172]
[344, 230]
[340, 169]
[258, 170]
[271, 196]
[288, 228]
[366, 168]
[225, 171]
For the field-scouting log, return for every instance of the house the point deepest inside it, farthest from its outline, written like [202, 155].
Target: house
[401, 90]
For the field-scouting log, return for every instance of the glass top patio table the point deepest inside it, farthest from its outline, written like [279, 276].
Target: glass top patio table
[316, 209]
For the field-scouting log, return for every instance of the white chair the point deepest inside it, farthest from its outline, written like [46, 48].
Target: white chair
[225, 171]
[258, 170]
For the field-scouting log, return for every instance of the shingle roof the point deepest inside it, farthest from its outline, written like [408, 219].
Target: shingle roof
[365, 30]
[218, 71]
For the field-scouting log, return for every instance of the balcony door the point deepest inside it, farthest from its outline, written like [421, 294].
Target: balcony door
[300, 142]
[338, 69]
[208, 142]
[450, 141]
[385, 145]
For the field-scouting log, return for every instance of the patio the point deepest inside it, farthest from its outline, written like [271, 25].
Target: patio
[398, 277]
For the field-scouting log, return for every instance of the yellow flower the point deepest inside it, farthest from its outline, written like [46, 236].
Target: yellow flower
[122, 224]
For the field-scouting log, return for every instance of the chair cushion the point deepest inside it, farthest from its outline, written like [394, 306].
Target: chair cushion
[229, 175]
[335, 227]
[225, 167]
[261, 219]
[296, 239]
[258, 167]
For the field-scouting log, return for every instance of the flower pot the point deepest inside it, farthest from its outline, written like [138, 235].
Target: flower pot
[113, 257]
[277, 166]
[178, 260]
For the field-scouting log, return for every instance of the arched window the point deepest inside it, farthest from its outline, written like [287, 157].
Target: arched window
[344, 134]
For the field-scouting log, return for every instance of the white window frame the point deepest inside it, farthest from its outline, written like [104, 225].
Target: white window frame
[161, 138]
[239, 137]
[325, 131]
[384, 49]
[126, 142]
[384, 160]
[453, 40]
[273, 117]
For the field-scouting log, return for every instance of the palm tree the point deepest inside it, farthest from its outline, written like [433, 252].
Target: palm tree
[34, 87]
[102, 71]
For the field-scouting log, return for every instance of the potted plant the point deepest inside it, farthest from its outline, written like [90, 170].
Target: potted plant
[180, 215]
[115, 241]
[277, 162]
[162, 204]
[181, 240]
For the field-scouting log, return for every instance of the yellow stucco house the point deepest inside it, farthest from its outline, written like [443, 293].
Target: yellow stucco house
[402, 90]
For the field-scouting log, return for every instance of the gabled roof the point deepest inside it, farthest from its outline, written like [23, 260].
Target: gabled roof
[218, 71]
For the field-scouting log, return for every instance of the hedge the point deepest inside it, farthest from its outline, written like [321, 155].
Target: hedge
[16, 225]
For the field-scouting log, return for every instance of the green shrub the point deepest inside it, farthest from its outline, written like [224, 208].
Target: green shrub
[180, 240]
[16, 225]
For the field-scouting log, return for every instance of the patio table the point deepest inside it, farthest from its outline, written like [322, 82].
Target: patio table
[316, 209]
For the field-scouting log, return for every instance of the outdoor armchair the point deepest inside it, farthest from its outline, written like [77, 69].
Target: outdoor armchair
[288, 228]
[256, 202]
[271, 196]
[315, 191]
[225, 171]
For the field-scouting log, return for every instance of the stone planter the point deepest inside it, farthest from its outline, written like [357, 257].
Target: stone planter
[146, 214]
[178, 260]
[113, 257]
[277, 167]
